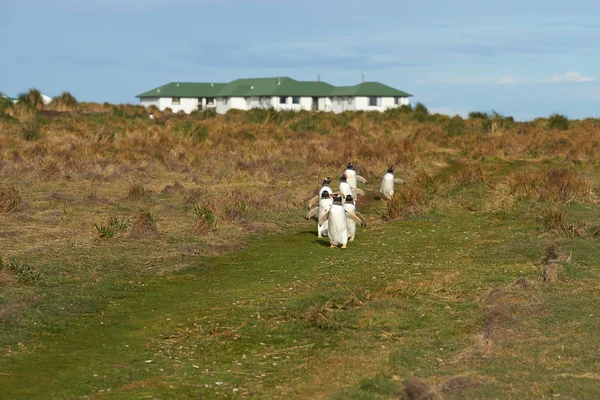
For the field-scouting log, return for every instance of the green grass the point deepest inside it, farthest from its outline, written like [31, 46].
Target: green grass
[290, 317]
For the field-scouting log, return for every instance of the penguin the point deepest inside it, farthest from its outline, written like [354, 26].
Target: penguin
[387, 184]
[325, 187]
[352, 177]
[350, 208]
[344, 189]
[324, 204]
[337, 216]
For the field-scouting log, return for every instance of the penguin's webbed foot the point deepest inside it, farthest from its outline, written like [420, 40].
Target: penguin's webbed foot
[332, 246]
[352, 239]
[344, 246]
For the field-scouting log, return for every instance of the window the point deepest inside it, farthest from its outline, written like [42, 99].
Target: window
[339, 100]
[210, 101]
[265, 100]
[176, 101]
[296, 100]
[349, 100]
[225, 101]
[374, 101]
[282, 100]
[248, 100]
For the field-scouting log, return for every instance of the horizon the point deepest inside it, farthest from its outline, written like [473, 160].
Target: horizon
[523, 60]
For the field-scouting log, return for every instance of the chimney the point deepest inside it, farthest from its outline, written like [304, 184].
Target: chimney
[319, 78]
[278, 81]
[363, 78]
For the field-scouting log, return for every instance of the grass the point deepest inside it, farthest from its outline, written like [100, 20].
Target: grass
[214, 286]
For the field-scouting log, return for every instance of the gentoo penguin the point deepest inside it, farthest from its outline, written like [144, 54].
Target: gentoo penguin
[324, 204]
[325, 187]
[352, 177]
[344, 189]
[387, 184]
[350, 208]
[337, 216]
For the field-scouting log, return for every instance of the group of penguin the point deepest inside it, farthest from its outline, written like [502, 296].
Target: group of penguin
[336, 212]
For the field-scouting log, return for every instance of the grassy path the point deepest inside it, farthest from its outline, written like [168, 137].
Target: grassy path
[290, 317]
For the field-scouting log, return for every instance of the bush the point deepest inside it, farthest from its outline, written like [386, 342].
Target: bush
[557, 122]
[497, 123]
[455, 126]
[64, 102]
[205, 219]
[479, 115]
[143, 225]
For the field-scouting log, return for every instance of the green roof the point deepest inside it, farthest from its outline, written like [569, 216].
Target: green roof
[369, 89]
[283, 86]
[185, 89]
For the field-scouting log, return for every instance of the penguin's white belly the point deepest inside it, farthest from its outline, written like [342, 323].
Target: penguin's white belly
[350, 223]
[324, 205]
[351, 178]
[337, 230]
[325, 188]
[345, 189]
[387, 186]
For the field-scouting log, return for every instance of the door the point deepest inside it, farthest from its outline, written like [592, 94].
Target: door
[315, 104]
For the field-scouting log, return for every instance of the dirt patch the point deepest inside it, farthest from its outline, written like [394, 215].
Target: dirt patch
[458, 383]
[416, 389]
[551, 267]
[497, 313]
[522, 284]
[173, 189]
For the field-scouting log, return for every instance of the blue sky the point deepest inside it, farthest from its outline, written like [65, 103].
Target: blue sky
[525, 58]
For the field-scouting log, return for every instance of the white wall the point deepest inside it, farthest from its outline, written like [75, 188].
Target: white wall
[335, 104]
[362, 103]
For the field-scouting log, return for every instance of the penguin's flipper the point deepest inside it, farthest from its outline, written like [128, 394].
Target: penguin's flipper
[398, 180]
[324, 218]
[311, 214]
[359, 215]
[313, 201]
[360, 191]
[361, 179]
[356, 218]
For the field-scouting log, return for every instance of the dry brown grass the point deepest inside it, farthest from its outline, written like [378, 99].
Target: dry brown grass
[10, 200]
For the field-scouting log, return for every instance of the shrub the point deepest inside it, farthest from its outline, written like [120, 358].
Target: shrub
[497, 123]
[30, 130]
[421, 109]
[469, 176]
[478, 115]
[64, 102]
[557, 122]
[455, 126]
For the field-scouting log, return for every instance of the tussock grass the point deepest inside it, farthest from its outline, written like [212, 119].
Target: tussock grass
[10, 200]
[563, 185]
[143, 225]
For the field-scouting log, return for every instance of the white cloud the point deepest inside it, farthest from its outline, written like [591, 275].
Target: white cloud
[571, 76]
[506, 80]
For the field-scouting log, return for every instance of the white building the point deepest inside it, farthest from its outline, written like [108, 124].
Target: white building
[277, 93]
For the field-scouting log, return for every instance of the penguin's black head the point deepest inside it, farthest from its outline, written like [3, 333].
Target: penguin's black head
[349, 198]
[337, 199]
[327, 181]
[326, 194]
[390, 170]
[350, 166]
[343, 178]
